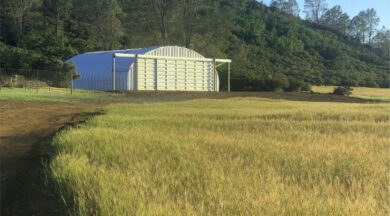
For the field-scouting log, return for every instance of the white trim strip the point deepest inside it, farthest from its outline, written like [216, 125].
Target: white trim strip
[172, 58]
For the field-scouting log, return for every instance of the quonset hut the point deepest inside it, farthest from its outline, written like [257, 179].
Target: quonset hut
[154, 68]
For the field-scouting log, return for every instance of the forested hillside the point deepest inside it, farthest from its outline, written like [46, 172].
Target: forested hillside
[271, 48]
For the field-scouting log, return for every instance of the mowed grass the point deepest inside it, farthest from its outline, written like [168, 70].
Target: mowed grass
[239, 156]
[50, 94]
[361, 92]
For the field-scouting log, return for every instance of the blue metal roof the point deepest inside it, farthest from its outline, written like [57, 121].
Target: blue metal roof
[95, 69]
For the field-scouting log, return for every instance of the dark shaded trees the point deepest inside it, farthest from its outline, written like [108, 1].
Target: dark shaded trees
[190, 12]
[109, 26]
[381, 42]
[16, 11]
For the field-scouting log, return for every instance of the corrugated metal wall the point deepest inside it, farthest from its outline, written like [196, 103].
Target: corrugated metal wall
[182, 75]
[153, 74]
[175, 74]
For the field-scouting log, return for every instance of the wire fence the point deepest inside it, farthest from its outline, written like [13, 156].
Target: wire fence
[35, 79]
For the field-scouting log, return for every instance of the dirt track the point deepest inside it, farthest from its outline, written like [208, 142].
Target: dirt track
[26, 128]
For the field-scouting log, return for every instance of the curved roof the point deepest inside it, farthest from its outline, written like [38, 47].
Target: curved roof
[100, 63]
[95, 68]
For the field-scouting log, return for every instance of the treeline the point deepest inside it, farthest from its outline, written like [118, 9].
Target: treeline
[363, 26]
[271, 47]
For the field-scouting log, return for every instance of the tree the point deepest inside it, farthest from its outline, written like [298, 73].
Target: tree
[62, 9]
[109, 26]
[286, 6]
[63, 77]
[372, 21]
[277, 4]
[17, 11]
[364, 25]
[158, 17]
[292, 7]
[190, 12]
[314, 9]
[359, 26]
[381, 41]
[336, 19]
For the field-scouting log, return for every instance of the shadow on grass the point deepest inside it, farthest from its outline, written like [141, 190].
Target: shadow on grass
[161, 96]
[28, 190]
[166, 96]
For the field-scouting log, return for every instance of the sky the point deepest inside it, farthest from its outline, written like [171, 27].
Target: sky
[353, 7]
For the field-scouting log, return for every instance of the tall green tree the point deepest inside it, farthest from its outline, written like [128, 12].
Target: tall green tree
[190, 14]
[381, 41]
[59, 11]
[359, 27]
[17, 12]
[286, 6]
[372, 21]
[336, 19]
[364, 25]
[314, 9]
[157, 15]
[109, 25]
[292, 7]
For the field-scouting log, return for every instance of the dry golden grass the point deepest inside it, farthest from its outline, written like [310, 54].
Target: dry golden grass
[362, 92]
[240, 156]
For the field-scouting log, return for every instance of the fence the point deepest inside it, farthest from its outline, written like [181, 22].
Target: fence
[34, 79]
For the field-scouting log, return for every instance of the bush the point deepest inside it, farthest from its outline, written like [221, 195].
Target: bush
[297, 86]
[306, 87]
[342, 90]
[294, 86]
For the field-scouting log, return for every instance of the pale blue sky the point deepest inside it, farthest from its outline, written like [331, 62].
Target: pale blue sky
[353, 7]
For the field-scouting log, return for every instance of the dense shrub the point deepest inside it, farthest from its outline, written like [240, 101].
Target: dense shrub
[306, 87]
[298, 85]
[342, 90]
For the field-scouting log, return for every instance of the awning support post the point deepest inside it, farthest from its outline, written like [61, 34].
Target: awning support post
[215, 74]
[229, 77]
[136, 73]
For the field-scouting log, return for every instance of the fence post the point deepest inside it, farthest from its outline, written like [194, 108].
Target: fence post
[37, 82]
[71, 83]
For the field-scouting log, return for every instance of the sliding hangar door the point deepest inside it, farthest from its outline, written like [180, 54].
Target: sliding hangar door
[174, 74]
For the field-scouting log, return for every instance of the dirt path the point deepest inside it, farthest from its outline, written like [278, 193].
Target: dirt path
[26, 127]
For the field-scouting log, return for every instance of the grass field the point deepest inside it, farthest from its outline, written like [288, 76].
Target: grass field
[237, 156]
[361, 92]
[52, 94]
[360, 95]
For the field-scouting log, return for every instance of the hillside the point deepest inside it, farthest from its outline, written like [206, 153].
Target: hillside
[270, 50]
